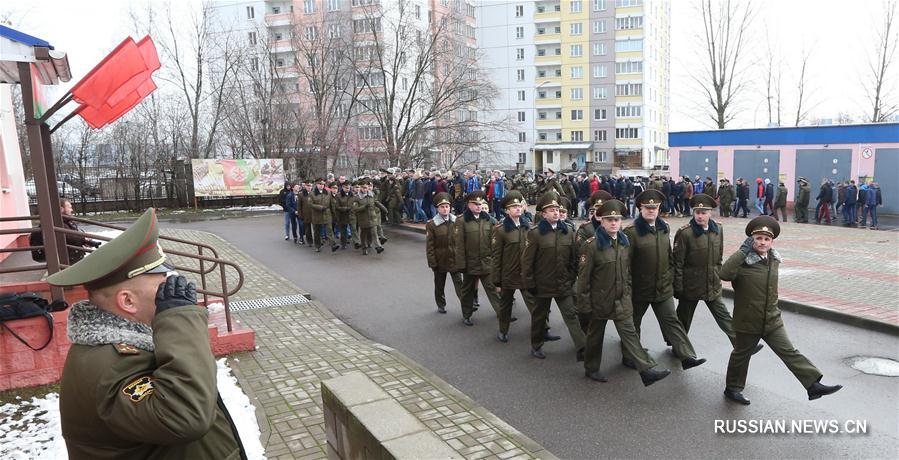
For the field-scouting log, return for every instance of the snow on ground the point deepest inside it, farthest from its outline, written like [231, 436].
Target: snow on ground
[875, 366]
[215, 307]
[274, 207]
[31, 429]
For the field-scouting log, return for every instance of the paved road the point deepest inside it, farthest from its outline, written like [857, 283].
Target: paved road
[388, 298]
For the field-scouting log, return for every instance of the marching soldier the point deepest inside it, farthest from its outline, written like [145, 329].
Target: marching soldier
[780, 203]
[548, 269]
[508, 244]
[594, 203]
[439, 242]
[800, 206]
[304, 203]
[604, 283]
[345, 199]
[698, 253]
[354, 225]
[140, 379]
[753, 270]
[649, 252]
[725, 198]
[321, 203]
[472, 251]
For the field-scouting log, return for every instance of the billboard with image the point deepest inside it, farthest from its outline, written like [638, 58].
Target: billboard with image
[237, 177]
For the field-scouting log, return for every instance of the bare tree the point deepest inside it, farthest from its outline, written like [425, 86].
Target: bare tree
[724, 39]
[773, 71]
[803, 107]
[879, 78]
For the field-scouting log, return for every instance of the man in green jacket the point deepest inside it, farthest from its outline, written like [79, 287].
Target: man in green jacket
[439, 250]
[322, 203]
[548, 269]
[140, 378]
[800, 204]
[780, 203]
[726, 197]
[651, 267]
[753, 272]
[472, 250]
[507, 247]
[604, 283]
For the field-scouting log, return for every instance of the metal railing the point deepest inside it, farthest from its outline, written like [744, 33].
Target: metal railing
[208, 262]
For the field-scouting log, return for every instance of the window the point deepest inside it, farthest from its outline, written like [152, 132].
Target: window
[627, 3]
[522, 157]
[541, 115]
[629, 22]
[600, 93]
[599, 49]
[279, 36]
[558, 51]
[521, 95]
[251, 12]
[576, 51]
[541, 52]
[628, 45]
[599, 27]
[333, 30]
[276, 10]
[600, 135]
[541, 94]
[417, 11]
[519, 32]
[521, 116]
[576, 28]
[558, 135]
[629, 89]
[625, 111]
[370, 132]
[520, 74]
[252, 38]
[577, 93]
[279, 62]
[522, 137]
[309, 6]
[519, 54]
[599, 114]
[311, 33]
[542, 136]
[576, 6]
[599, 5]
[627, 133]
[366, 25]
[628, 67]
[577, 72]
[599, 71]
[549, 155]
[405, 83]
[599, 157]
[577, 115]
[559, 115]
[254, 63]
[577, 136]
[333, 5]
[519, 11]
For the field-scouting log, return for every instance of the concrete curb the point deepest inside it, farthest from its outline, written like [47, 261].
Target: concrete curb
[786, 305]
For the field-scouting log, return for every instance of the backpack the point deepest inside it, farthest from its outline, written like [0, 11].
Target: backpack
[28, 305]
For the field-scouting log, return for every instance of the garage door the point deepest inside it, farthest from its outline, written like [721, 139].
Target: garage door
[700, 163]
[815, 164]
[752, 164]
[886, 172]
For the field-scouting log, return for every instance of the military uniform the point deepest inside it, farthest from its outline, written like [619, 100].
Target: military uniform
[651, 268]
[439, 249]
[472, 251]
[757, 316]
[344, 208]
[322, 203]
[304, 204]
[604, 283]
[507, 247]
[698, 253]
[800, 205]
[780, 202]
[134, 390]
[548, 270]
[725, 198]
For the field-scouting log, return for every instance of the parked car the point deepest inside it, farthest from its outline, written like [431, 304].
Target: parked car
[65, 189]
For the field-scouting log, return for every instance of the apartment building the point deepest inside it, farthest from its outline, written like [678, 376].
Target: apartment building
[584, 82]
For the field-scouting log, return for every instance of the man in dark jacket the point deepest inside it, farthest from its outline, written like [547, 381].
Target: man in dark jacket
[825, 197]
[508, 243]
[872, 201]
[472, 252]
[282, 200]
[780, 203]
[439, 249]
[800, 204]
[291, 213]
[849, 201]
[742, 198]
[726, 197]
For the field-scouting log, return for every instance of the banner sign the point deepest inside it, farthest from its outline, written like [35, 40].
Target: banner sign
[237, 177]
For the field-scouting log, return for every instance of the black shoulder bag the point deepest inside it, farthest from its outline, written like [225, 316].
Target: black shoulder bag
[28, 305]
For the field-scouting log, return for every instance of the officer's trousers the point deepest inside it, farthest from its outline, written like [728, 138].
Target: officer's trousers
[801, 213]
[686, 308]
[783, 213]
[440, 285]
[307, 230]
[354, 230]
[469, 290]
[724, 209]
[672, 329]
[365, 236]
[630, 343]
[328, 230]
[505, 307]
[540, 315]
[779, 342]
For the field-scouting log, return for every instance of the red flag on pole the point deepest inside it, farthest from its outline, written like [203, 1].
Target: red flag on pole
[108, 114]
[116, 69]
[151, 60]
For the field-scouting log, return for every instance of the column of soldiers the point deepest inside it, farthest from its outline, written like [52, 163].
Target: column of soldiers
[605, 272]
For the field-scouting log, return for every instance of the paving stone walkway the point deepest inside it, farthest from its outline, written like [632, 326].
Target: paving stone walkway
[300, 345]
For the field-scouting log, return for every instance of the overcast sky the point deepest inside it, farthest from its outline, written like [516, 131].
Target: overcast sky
[839, 33]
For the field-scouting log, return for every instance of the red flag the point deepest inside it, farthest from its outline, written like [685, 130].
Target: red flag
[107, 114]
[151, 61]
[115, 70]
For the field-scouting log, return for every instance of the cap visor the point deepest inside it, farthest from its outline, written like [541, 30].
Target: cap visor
[162, 268]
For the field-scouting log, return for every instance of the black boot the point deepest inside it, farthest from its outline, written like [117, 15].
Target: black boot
[379, 249]
[441, 310]
[467, 322]
[502, 337]
[651, 376]
[547, 337]
[357, 245]
[579, 356]
[597, 376]
[627, 362]
[538, 353]
[818, 390]
[736, 396]
[689, 363]
[335, 247]
[382, 240]
[364, 251]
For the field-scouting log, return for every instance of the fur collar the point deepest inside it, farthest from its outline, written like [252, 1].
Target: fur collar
[89, 325]
[753, 257]
[697, 230]
[470, 217]
[523, 221]
[545, 227]
[438, 220]
[603, 240]
[643, 228]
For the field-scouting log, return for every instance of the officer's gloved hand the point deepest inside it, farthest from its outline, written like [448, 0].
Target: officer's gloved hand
[176, 291]
[746, 247]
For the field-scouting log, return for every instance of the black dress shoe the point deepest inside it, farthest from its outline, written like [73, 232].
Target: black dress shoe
[596, 375]
[318, 249]
[513, 319]
[627, 362]
[475, 303]
[736, 396]
[467, 322]
[579, 356]
[382, 240]
[335, 248]
[365, 251]
[550, 338]
[441, 310]
[538, 353]
[379, 249]
[357, 245]
[689, 363]
[818, 390]
[758, 348]
[502, 337]
[651, 376]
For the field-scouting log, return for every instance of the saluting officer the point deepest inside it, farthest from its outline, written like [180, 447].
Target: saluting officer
[140, 379]
[472, 251]
[548, 268]
[753, 271]
[439, 243]
[508, 244]
[604, 282]
[594, 203]
[652, 272]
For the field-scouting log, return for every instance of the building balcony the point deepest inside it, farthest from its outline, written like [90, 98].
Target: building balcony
[281, 46]
[554, 59]
[548, 16]
[277, 20]
[549, 124]
[549, 103]
[548, 39]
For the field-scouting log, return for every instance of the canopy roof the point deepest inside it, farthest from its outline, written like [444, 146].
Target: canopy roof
[15, 46]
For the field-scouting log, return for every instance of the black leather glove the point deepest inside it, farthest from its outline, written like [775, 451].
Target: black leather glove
[176, 291]
[746, 247]
[533, 291]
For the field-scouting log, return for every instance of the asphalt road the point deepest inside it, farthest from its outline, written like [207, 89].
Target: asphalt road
[388, 298]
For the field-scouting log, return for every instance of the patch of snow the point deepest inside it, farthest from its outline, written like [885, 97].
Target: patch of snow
[242, 411]
[875, 366]
[215, 307]
[273, 207]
